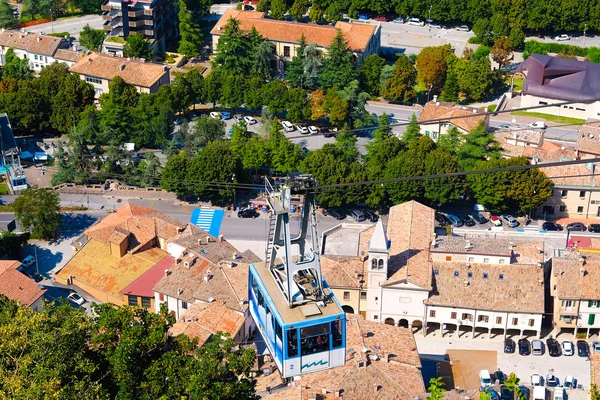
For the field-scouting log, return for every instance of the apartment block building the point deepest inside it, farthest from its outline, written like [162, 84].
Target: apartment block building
[156, 20]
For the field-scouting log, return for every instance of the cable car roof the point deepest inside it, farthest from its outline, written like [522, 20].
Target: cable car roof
[304, 313]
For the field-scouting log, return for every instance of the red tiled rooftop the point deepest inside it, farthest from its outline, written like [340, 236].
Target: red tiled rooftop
[144, 285]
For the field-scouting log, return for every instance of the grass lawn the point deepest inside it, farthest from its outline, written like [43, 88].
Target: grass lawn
[550, 117]
[518, 84]
[3, 188]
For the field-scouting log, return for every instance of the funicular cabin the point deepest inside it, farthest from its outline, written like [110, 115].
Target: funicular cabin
[302, 339]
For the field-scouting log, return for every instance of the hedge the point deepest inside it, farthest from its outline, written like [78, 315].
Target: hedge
[533, 46]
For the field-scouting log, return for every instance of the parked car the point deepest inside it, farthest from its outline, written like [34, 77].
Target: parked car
[250, 120]
[562, 38]
[596, 347]
[357, 215]
[287, 126]
[559, 393]
[524, 347]
[238, 117]
[567, 348]
[435, 25]
[479, 218]
[583, 350]
[75, 298]
[485, 379]
[248, 213]
[509, 346]
[553, 347]
[363, 16]
[399, 20]
[215, 115]
[302, 129]
[442, 219]
[524, 392]
[506, 394]
[538, 124]
[551, 226]
[551, 380]
[336, 214]
[537, 380]
[493, 395]
[326, 132]
[248, 7]
[313, 130]
[463, 28]
[496, 220]
[569, 382]
[576, 227]
[455, 221]
[594, 228]
[225, 115]
[28, 262]
[504, 126]
[509, 220]
[467, 220]
[371, 216]
[416, 22]
[34, 275]
[537, 347]
[382, 18]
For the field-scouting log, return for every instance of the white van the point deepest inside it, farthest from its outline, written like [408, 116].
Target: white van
[539, 393]
[538, 124]
[287, 126]
[559, 393]
[416, 22]
[485, 378]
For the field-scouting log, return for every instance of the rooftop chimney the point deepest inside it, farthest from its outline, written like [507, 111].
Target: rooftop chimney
[581, 261]
[167, 272]
[179, 291]
[39, 38]
[581, 272]
[207, 239]
[220, 238]
[122, 66]
[435, 98]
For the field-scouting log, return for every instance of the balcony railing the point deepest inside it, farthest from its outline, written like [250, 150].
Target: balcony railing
[139, 13]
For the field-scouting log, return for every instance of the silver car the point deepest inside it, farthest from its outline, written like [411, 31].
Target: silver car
[509, 220]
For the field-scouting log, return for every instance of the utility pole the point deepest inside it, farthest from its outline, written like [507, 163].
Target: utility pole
[37, 269]
[584, 29]
[51, 21]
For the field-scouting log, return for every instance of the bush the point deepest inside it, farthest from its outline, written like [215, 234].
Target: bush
[492, 107]
[60, 34]
[481, 52]
[594, 54]
[534, 46]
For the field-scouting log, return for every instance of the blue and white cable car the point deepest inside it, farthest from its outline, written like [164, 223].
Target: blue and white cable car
[297, 314]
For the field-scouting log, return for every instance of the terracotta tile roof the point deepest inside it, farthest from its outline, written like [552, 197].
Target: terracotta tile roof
[144, 284]
[482, 246]
[202, 320]
[528, 252]
[143, 224]
[95, 266]
[341, 271]
[569, 282]
[9, 264]
[589, 139]
[595, 369]
[573, 175]
[227, 285]
[144, 74]
[364, 238]
[31, 42]
[531, 137]
[400, 378]
[442, 111]
[520, 289]
[17, 286]
[357, 35]
[410, 230]
[68, 55]
[550, 151]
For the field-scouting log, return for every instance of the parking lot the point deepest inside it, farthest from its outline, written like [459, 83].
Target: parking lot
[522, 366]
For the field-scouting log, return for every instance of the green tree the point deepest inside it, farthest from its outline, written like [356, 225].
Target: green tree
[261, 60]
[190, 33]
[315, 13]
[38, 210]
[594, 54]
[88, 6]
[336, 108]
[233, 90]
[594, 394]
[274, 96]
[338, 68]
[11, 244]
[212, 86]
[91, 39]
[356, 100]
[436, 389]
[174, 174]
[299, 8]
[334, 12]
[294, 72]
[451, 89]
[502, 51]
[297, 106]
[517, 39]
[215, 163]
[413, 131]
[285, 156]
[369, 72]
[252, 96]
[478, 145]
[483, 30]
[278, 9]
[512, 384]
[7, 19]
[312, 66]
[208, 130]
[475, 78]
[451, 140]
[240, 133]
[400, 86]
[442, 190]
[15, 67]
[117, 108]
[152, 120]
[232, 49]
[73, 96]
[137, 46]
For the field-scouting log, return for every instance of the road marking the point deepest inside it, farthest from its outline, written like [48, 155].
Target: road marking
[152, 204]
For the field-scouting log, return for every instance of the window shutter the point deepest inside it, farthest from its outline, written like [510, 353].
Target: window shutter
[591, 319]
[590, 303]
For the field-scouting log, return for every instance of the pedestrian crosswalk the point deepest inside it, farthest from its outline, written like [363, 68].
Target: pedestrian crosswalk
[208, 219]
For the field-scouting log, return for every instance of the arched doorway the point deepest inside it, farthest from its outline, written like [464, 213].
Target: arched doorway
[403, 323]
[348, 309]
[389, 321]
[417, 325]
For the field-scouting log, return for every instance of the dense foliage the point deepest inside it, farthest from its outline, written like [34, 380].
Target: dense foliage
[121, 353]
[38, 211]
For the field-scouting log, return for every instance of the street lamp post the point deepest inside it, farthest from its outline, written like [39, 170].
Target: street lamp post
[429, 18]
[51, 21]
[584, 29]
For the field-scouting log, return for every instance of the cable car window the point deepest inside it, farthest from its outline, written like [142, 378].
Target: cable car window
[336, 334]
[315, 344]
[292, 339]
[260, 298]
[277, 329]
[314, 330]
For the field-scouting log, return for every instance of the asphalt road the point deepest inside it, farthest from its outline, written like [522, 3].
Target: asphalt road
[71, 25]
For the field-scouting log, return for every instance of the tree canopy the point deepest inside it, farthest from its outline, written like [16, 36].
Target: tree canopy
[38, 210]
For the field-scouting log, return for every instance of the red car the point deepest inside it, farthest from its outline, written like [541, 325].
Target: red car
[382, 19]
[496, 220]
